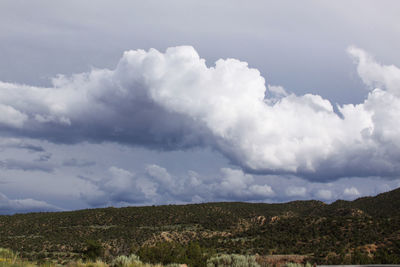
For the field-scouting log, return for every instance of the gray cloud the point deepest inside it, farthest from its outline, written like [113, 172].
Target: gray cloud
[11, 206]
[30, 147]
[156, 186]
[351, 192]
[19, 144]
[14, 164]
[172, 101]
[73, 162]
[44, 157]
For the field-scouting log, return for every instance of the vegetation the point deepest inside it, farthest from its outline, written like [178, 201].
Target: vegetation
[232, 260]
[366, 230]
[11, 259]
[93, 250]
[169, 252]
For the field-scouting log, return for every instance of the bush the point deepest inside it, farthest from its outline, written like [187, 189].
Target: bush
[167, 253]
[93, 250]
[8, 256]
[124, 261]
[232, 260]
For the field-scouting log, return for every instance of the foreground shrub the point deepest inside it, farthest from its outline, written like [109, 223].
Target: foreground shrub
[134, 261]
[232, 260]
[125, 261]
[7, 256]
[97, 263]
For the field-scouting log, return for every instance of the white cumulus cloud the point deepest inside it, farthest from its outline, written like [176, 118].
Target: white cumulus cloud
[173, 100]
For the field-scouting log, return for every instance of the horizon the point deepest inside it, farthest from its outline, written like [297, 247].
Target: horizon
[198, 203]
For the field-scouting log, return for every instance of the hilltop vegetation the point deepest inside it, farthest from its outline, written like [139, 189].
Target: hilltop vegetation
[366, 230]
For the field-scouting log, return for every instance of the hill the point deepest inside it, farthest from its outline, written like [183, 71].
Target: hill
[366, 230]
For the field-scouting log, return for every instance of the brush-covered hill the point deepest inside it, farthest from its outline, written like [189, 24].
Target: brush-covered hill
[367, 228]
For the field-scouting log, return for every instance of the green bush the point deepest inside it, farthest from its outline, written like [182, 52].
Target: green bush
[93, 250]
[167, 252]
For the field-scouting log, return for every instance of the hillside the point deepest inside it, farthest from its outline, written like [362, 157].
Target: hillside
[366, 230]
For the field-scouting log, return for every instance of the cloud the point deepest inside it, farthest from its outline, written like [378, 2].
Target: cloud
[13, 164]
[155, 185]
[10, 206]
[173, 100]
[120, 186]
[296, 191]
[73, 162]
[9, 116]
[375, 74]
[324, 194]
[237, 185]
[44, 157]
[20, 144]
[351, 192]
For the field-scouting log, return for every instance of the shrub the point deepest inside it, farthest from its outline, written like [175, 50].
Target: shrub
[167, 253]
[124, 261]
[93, 250]
[8, 256]
[232, 260]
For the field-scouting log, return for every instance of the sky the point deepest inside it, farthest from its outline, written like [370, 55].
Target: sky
[119, 103]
